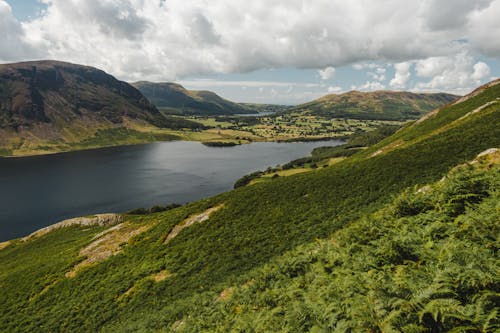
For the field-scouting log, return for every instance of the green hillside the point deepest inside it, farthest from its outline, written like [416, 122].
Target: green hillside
[361, 245]
[377, 105]
[175, 99]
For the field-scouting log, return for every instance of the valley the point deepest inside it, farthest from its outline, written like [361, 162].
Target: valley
[50, 107]
[249, 167]
[283, 266]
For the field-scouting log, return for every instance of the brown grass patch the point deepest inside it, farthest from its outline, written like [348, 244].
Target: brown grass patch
[106, 244]
[193, 219]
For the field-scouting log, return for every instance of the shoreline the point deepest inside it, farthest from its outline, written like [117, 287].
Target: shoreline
[50, 153]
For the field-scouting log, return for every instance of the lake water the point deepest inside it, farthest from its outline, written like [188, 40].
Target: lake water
[41, 190]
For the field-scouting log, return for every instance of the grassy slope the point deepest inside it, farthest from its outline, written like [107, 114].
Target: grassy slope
[424, 263]
[258, 223]
[382, 105]
[174, 98]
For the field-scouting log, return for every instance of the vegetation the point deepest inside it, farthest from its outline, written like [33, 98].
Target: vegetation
[173, 98]
[323, 156]
[67, 107]
[152, 210]
[378, 105]
[424, 263]
[219, 144]
[361, 245]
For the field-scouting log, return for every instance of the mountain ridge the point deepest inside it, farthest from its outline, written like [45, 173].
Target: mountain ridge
[174, 96]
[380, 105]
[58, 106]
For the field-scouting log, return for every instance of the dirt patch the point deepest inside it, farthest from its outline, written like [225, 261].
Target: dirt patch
[226, 294]
[106, 244]
[179, 324]
[160, 276]
[193, 219]
[3, 245]
[156, 277]
[388, 148]
[479, 109]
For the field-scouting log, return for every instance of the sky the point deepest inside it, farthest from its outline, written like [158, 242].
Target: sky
[280, 51]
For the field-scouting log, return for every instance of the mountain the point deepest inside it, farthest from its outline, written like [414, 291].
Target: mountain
[174, 98]
[378, 105]
[400, 237]
[51, 105]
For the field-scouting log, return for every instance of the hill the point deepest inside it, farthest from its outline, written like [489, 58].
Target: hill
[378, 105]
[174, 98]
[53, 106]
[381, 241]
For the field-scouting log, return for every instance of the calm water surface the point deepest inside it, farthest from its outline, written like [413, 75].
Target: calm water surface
[41, 190]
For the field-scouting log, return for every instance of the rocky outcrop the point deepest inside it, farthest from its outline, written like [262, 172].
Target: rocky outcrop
[95, 220]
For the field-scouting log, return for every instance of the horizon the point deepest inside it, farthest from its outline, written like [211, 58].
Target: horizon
[291, 55]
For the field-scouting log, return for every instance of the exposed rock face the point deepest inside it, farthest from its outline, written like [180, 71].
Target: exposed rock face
[51, 91]
[95, 220]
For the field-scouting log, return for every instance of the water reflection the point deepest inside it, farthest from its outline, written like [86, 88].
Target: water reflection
[38, 191]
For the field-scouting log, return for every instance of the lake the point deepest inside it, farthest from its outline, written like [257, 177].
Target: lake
[41, 190]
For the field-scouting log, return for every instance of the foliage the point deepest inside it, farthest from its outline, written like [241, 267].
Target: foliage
[429, 271]
[377, 105]
[336, 249]
[152, 210]
[219, 144]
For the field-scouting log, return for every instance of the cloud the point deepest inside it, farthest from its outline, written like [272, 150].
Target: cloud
[369, 86]
[201, 83]
[483, 29]
[12, 43]
[327, 74]
[378, 74]
[444, 15]
[332, 90]
[167, 40]
[458, 73]
[402, 75]
[481, 71]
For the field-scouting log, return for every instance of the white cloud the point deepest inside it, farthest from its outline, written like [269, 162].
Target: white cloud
[458, 73]
[332, 90]
[361, 66]
[166, 40]
[203, 83]
[402, 75]
[378, 74]
[369, 86]
[12, 42]
[327, 74]
[443, 15]
[481, 71]
[484, 29]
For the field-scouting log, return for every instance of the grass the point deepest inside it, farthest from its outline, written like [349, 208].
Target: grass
[239, 130]
[286, 247]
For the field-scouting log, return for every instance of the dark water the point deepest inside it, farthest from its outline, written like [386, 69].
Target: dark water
[41, 190]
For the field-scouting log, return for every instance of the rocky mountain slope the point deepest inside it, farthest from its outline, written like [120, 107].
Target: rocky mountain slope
[50, 104]
[378, 105]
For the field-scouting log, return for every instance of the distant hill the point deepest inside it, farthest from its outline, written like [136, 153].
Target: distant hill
[55, 104]
[378, 105]
[176, 99]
